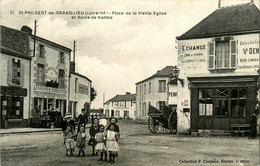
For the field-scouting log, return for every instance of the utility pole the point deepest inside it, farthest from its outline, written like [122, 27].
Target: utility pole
[74, 51]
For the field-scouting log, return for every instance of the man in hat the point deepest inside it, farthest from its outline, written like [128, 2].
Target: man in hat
[67, 120]
[253, 124]
[82, 119]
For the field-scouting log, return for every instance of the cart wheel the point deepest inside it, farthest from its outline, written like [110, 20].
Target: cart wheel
[172, 123]
[153, 125]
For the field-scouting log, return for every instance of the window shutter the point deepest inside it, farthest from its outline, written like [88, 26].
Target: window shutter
[10, 72]
[22, 75]
[211, 55]
[233, 53]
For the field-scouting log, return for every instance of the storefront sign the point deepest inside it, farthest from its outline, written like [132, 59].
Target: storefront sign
[41, 88]
[16, 91]
[83, 89]
[192, 48]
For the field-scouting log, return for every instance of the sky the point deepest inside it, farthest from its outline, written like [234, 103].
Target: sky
[114, 53]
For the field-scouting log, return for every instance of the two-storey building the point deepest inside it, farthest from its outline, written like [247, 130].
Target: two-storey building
[15, 66]
[218, 59]
[121, 106]
[157, 90]
[80, 89]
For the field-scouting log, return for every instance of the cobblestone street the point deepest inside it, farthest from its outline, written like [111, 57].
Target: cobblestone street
[137, 147]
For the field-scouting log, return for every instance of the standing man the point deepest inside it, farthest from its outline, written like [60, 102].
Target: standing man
[82, 118]
[253, 124]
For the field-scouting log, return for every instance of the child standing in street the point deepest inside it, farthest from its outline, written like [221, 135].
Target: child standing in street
[111, 143]
[81, 138]
[94, 129]
[100, 142]
[70, 142]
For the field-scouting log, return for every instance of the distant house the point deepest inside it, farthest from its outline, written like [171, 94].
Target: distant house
[157, 90]
[121, 106]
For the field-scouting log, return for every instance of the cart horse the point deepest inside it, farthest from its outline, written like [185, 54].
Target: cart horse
[166, 119]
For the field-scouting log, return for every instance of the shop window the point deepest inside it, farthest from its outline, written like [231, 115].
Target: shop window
[42, 50]
[206, 102]
[150, 87]
[222, 54]
[161, 105]
[62, 57]
[162, 85]
[61, 78]
[41, 73]
[238, 102]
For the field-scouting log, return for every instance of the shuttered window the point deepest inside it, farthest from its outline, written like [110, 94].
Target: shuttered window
[41, 74]
[211, 55]
[233, 53]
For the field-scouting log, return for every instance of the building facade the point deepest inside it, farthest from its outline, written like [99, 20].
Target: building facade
[121, 106]
[80, 89]
[156, 91]
[49, 75]
[219, 64]
[15, 64]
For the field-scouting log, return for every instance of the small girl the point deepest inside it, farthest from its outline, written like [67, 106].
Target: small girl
[81, 138]
[111, 143]
[94, 129]
[69, 141]
[100, 142]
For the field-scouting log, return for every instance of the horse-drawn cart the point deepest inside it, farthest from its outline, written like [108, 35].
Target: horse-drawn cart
[166, 119]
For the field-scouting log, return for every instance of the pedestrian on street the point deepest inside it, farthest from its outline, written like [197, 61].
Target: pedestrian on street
[36, 117]
[70, 142]
[112, 146]
[94, 129]
[81, 139]
[100, 143]
[253, 125]
[67, 120]
[82, 118]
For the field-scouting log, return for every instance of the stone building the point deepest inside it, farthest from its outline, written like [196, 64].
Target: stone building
[156, 91]
[121, 106]
[218, 59]
[15, 66]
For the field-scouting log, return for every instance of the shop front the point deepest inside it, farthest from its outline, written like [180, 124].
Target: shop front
[219, 102]
[12, 106]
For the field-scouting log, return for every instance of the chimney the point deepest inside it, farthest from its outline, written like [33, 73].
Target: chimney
[219, 3]
[72, 67]
[128, 93]
[26, 29]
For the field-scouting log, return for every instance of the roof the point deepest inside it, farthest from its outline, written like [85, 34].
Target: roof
[80, 75]
[229, 20]
[126, 97]
[14, 42]
[165, 72]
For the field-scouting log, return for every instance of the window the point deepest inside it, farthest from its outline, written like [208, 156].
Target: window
[141, 89]
[76, 85]
[16, 68]
[144, 109]
[206, 102]
[222, 54]
[42, 50]
[61, 78]
[222, 102]
[162, 85]
[161, 105]
[144, 89]
[62, 57]
[150, 87]
[41, 74]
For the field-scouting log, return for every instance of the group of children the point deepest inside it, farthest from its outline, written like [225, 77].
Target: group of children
[103, 139]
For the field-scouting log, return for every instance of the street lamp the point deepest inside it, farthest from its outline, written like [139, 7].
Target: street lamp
[176, 73]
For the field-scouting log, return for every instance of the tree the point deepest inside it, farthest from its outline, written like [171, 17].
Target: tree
[93, 94]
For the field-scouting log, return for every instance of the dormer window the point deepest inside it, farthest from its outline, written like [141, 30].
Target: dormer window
[223, 54]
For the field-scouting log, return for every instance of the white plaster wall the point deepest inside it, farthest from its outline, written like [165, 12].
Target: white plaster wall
[77, 96]
[4, 75]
